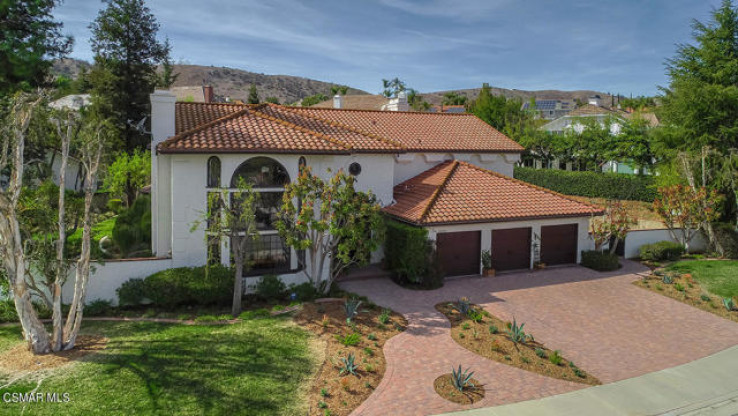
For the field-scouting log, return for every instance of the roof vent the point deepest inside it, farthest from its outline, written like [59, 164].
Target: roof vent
[337, 101]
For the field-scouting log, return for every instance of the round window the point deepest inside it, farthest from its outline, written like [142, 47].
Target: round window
[355, 169]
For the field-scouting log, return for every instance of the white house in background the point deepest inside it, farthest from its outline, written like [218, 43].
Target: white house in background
[449, 173]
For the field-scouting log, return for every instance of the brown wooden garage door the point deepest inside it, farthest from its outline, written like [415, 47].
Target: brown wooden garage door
[511, 249]
[559, 244]
[459, 252]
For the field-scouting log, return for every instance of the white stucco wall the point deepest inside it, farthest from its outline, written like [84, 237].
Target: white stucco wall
[408, 165]
[635, 239]
[584, 241]
[106, 278]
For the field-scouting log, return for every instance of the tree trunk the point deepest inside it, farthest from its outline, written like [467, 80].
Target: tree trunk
[33, 330]
[237, 287]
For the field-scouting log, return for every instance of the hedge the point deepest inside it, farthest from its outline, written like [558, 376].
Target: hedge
[663, 250]
[410, 257]
[591, 184]
[180, 286]
[600, 261]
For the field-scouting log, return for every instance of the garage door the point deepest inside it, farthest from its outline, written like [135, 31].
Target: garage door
[459, 252]
[559, 244]
[511, 249]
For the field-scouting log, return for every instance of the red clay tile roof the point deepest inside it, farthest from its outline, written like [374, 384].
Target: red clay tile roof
[427, 132]
[457, 192]
[591, 110]
[202, 127]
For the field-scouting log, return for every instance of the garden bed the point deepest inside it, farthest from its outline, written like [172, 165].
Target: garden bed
[686, 288]
[339, 394]
[486, 335]
[445, 388]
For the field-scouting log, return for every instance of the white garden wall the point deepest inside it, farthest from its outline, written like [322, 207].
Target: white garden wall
[635, 239]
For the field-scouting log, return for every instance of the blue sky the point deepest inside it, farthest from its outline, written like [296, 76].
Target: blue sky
[615, 46]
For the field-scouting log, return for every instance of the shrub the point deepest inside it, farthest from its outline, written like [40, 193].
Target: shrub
[704, 298]
[372, 337]
[99, 308]
[476, 316]
[131, 293]
[190, 286]
[384, 317]
[206, 318]
[600, 261]
[349, 340]
[132, 229]
[259, 313]
[663, 250]
[410, 256]
[555, 358]
[270, 287]
[304, 292]
[591, 184]
[679, 287]
[727, 236]
[493, 329]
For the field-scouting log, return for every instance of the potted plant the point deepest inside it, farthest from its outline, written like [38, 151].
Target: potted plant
[487, 263]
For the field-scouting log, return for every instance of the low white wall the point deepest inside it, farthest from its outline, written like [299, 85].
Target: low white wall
[636, 238]
[106, 278]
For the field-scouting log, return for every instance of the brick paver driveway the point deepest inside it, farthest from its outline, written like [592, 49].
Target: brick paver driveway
[602, 322]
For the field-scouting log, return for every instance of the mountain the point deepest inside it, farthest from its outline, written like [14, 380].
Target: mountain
[436, 97]
[232, 83]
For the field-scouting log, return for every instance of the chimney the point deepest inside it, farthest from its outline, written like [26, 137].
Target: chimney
[207, 93]
[337, 101]
[398, 103]
[162, 116]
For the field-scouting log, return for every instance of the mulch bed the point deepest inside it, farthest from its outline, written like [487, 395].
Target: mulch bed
[686, 290]
[21, 359]
[478, 337]
[341, 394]
[444, 386]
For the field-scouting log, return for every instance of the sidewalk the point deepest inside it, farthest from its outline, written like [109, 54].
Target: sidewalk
[708, 386]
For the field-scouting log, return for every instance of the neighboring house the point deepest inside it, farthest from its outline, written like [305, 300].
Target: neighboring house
[450, 173]
[355, 102]
[194, 94]
[550, 109]
[448, 109]
[593, 110]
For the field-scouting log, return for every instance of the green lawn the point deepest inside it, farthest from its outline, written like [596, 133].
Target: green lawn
[257, 367]
[718, 277]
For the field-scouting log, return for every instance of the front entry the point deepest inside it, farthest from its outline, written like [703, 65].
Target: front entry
[559, 244]
[459, 252]
[511, 249]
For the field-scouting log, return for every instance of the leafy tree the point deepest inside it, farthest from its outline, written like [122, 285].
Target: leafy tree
[612, 227]
[454, 98]
[591, 142]
[638, 103]
[505, 115]
[168, 77]
[29, 39]
[339, 89]
[635, 143]
[128, 174]
[392, 87]
[685, 210]
[313, 99]
[335, 224]
[253, 95]
[416, 101]
[235, 222]
[127, 52]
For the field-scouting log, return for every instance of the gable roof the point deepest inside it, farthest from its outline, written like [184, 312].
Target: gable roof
[213, 128]
[591, 110]
[456, 192]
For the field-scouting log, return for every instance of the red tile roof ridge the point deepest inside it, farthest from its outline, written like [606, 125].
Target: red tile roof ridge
[300, 128]
[201, 127]
[439, 189]
[530, 185]
[343, 126]
[384, 111]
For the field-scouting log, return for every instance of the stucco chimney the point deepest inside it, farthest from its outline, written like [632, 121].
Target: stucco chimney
[162, 116]
[398, 103]
[337, 101]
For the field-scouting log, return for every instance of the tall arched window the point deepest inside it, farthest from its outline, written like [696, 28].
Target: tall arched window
[268, 254]
[214, 172]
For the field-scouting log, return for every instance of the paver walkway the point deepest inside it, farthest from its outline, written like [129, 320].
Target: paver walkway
[607, 326]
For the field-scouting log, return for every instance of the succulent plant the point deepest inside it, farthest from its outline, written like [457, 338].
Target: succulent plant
[540, 353]
[728, 303]
[555, 358]
[463, 306]
[516, 333]
[347, 365]
[462, 380]
[667, 278]
[351, 306]
[384, 317]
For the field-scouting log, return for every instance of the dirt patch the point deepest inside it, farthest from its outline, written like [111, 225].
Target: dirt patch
[685, 289]
[338, 393]
[444, 386]
[487, 336]
[20, 359]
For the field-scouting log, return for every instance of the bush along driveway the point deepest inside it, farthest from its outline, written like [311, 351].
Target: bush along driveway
[607, 326]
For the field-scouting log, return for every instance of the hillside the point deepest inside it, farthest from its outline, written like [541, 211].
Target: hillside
[233, 83]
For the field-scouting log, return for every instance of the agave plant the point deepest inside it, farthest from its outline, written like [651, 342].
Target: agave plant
[461, 379]
[667, 278]
[348, 365]
[463, 306]
[516, 333]
[351, 306]
[728, 303]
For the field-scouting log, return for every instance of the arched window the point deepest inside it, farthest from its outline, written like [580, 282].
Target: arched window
[213, 172]
[269, 253]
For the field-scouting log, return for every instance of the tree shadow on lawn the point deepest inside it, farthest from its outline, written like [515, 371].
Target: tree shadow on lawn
[222, 369]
